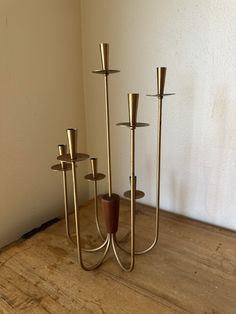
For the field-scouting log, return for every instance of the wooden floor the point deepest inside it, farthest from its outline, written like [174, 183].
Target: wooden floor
[191, 270]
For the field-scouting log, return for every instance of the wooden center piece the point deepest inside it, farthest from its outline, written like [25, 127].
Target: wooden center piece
[111, 206]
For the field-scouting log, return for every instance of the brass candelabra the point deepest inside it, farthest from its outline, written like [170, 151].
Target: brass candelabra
[111, 202]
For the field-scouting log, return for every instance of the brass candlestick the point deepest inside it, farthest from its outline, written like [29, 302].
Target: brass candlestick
[133, 194]
[94, 177]
[74, 158]
[104, 51]
[161, 77]
[110, 202]
[133, 110]
[64, 167]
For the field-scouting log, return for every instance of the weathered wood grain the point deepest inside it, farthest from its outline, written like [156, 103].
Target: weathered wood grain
[191, 270]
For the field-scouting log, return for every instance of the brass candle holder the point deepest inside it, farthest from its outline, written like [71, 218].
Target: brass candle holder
[111, 202]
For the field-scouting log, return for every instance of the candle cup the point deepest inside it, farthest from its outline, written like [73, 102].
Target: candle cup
[93, 162]
[104, 50]
[161, 76]
[133, 109]
[61, 149]
[72, 140]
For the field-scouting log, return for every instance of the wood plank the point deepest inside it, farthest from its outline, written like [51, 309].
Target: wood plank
[191, 270]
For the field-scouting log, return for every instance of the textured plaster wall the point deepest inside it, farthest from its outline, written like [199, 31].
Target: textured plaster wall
[40, 96]
[196, 41]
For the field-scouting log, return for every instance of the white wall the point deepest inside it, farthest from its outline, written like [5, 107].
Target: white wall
[40, 96]
[196, 41]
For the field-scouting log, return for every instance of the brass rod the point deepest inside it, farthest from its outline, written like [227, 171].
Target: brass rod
[90, 250]
[93, 249]
[94, 176]
[67, 222]
[77, 227]
[108, 136]
[96, 210]
[161, 77]
[132, 210]
[160, 87]
[66, 205]
[133, 108]
[114, 244]
[158, 179]
[161, 74]
[132, 173]
[62, 151]
[101, 259]
[113, 241]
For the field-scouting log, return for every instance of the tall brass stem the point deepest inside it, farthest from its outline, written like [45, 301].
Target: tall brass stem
[77, 227]
[132, 173]
[96, 210]
[66, 205]
[62, 151]
[158, 172]
[67, 222]
[158, 179]
[132, 215]
[108, 136]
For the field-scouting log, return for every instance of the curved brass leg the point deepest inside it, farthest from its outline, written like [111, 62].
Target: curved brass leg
[97, 248]
[96, 211]
[64, 168]
[133, 107]
[94, 177]
[126, 269]
[158, 189]
[77, 226]
[67, 222]
[100, 261]
[161, 74]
